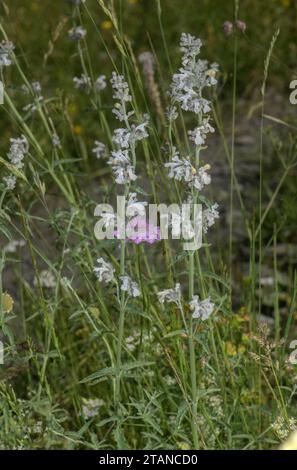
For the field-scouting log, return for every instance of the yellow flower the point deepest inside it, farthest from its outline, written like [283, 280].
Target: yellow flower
[77, 130]
[183, 446]
[7, 303]
[95, 311]
[230, 349]
[107, 24]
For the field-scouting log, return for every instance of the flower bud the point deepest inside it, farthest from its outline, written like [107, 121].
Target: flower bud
[240, 25]
[227, 28]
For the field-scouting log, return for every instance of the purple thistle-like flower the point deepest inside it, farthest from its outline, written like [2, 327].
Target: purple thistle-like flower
[139, 230]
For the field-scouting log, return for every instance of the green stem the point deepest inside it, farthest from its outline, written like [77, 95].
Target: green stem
[120, 334]
[192, 356]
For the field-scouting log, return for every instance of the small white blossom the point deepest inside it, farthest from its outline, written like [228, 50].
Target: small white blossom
[36, 87]
[201, 309]
[77, 33]
[171, 113]
[25, 89]
[190, 45]
[32, 107]
[46, 279]
[283, 428]
[10, 182]
[100, 83]
[18, 149]
[201, 178]
[135, 207]
[121, 137]
[121, 92]
[12, 246]
[122, 168]
[209, 217]
[119, 157]
[91, 407]
[56, 140]
[180, 169]
[120, 87]
[198, 135]
[170, 295]
[124, 138]
[129, 286]
[124, 175]
[104, 271]
[169, 380]
[82, 83]
[194, 75]
[132, 340]
[99, 150]
[6, 50]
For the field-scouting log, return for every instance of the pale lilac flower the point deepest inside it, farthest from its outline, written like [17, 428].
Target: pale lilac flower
[240, 25]
[129, 286]
[139, 230]
[170, 295]
[227, 28]
[104, 271]
[202, 309]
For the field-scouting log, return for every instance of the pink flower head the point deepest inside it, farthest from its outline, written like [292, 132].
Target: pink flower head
[139, 230]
